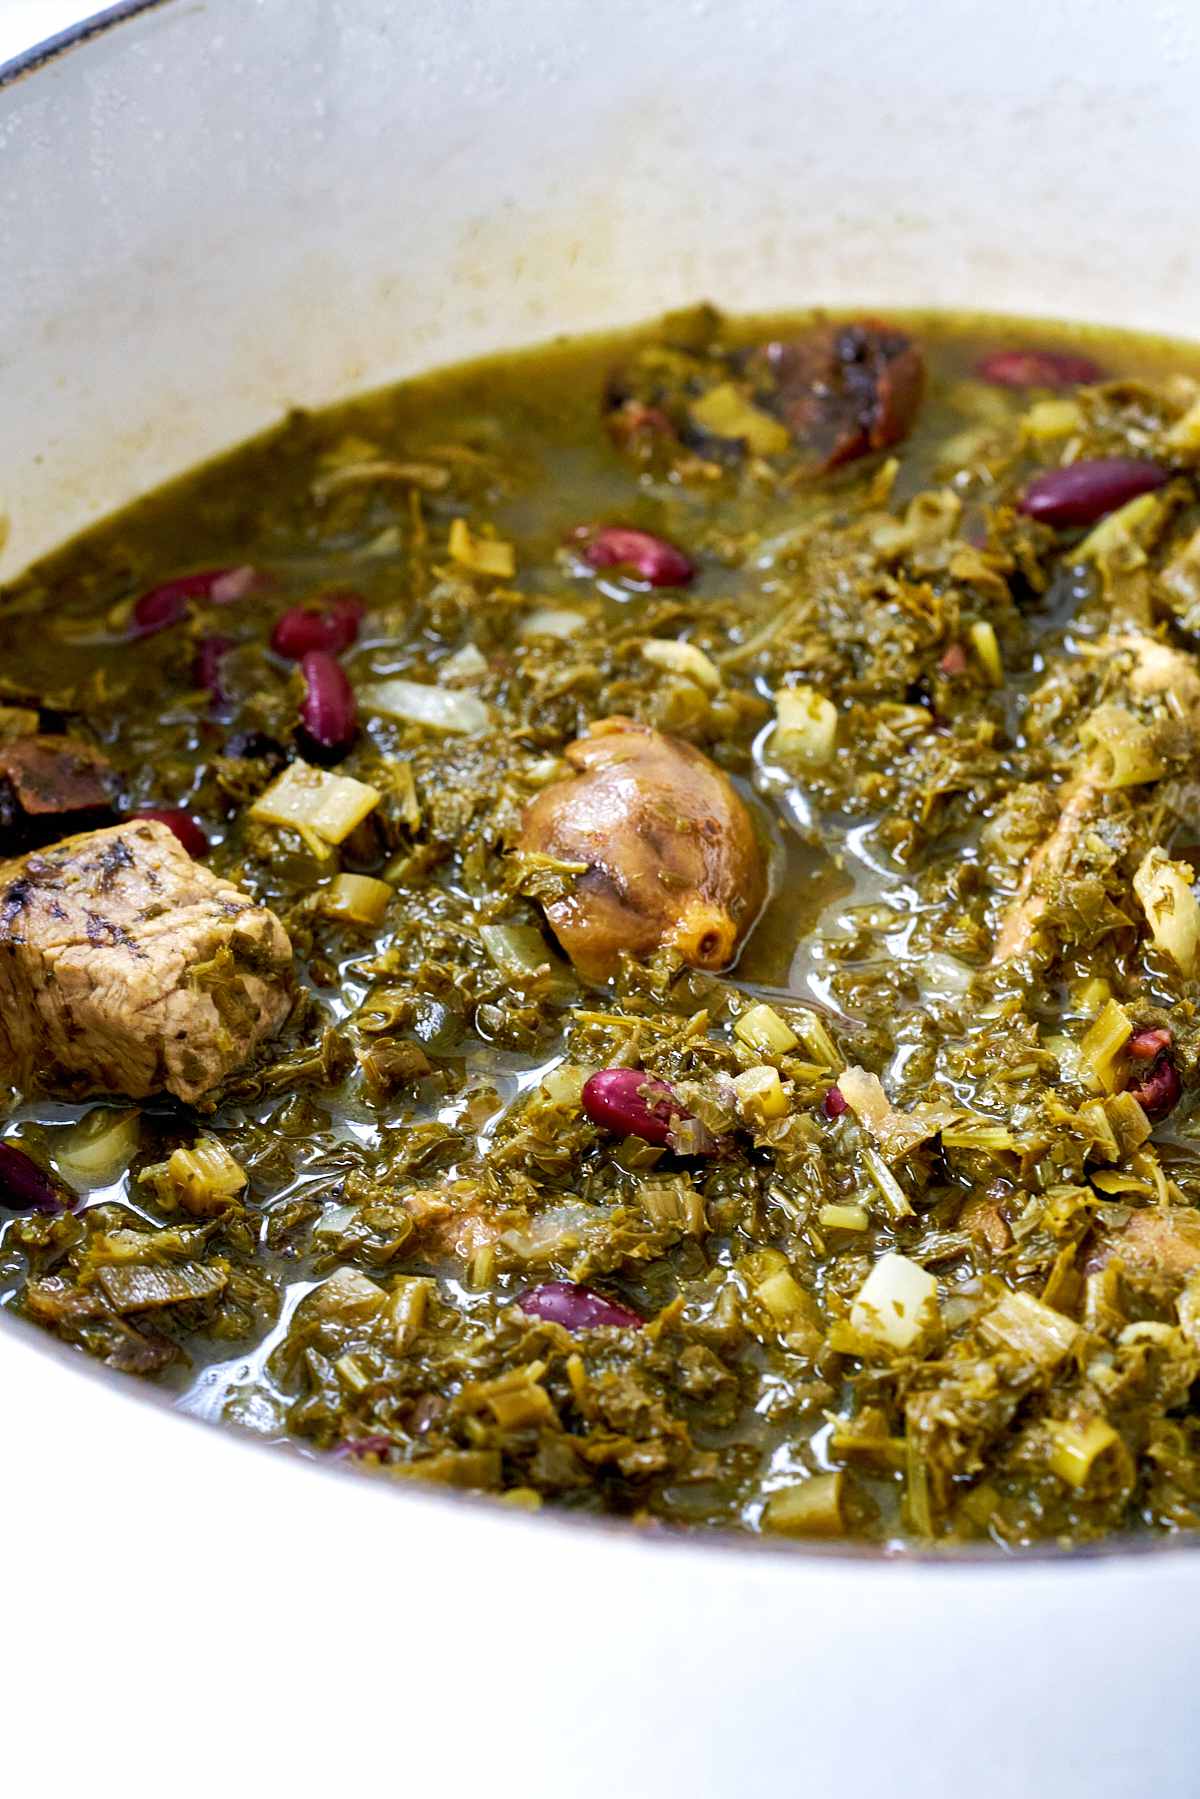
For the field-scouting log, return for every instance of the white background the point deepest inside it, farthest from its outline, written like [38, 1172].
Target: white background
[26, 22]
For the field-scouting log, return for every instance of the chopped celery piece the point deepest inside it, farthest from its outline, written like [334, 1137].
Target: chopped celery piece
[1120, 529]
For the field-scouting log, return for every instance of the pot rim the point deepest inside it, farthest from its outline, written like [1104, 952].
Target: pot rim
[726, 1542]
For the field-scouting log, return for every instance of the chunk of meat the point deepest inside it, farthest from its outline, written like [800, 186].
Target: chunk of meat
[126, 968]
[670, 851]
[1020, 923]
[849, 389]
[1154, 671]
[48, 786]
[1157, 1240]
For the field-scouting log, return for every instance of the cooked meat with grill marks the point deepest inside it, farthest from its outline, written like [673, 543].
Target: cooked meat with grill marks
[126, 968]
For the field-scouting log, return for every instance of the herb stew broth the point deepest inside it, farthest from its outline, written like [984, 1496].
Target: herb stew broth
[889, 1229]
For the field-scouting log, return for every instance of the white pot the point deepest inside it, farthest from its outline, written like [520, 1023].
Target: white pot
[212, 211]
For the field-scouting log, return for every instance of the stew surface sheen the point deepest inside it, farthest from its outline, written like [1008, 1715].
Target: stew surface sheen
[615, 927]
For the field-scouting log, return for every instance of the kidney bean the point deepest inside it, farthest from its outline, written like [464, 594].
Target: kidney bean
[954, 662]
[182, 824]
[1036, 368]
[1083, 492]
[168, 603]
[360, 1446]
[24, 1187]
[206, 665]
[332, 627]
[576, 1308]
[1159, 1090]
[328, 711]
[632, 1104]
[834, 1103]
[652, 559]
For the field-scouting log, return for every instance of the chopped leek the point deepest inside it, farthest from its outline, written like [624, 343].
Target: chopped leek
[760, 1093]
[356, 899]
[762, 1029]
[437, 708]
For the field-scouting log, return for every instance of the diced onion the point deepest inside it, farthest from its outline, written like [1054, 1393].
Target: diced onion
[315, 802]
[896, 1303]
[726, 412]
[417, 703]
[805, 726]
[482, 555]
[1172, 911]
[551, 621]
[98, 1149]
[683, 659]
[810, 1508]
[1030, 1328]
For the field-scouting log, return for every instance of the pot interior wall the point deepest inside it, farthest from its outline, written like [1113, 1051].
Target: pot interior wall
[215, 211]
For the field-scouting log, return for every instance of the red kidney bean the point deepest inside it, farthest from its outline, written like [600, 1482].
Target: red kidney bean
[834, 1103]
[182, 823]
[1159, 1090]
[954, 662]
[360, 1446]
[652, 559]
[332, 627]
[632, 1104]
[1083, 492]
[169, 603]
[328, 711]
[1037, 368]
[206, 665]
[576, 1308]
[24, 1187]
